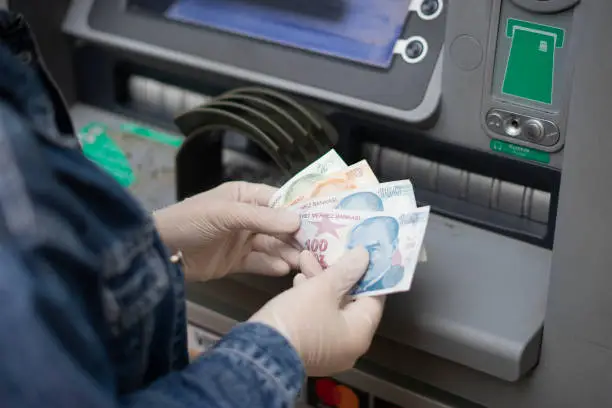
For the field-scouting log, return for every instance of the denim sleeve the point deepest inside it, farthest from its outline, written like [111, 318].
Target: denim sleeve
[55, 350]
[252, 366]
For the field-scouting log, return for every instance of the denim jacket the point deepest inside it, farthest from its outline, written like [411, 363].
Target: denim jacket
[92, 313]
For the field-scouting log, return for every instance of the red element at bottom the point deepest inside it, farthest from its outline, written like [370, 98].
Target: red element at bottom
[327, 392]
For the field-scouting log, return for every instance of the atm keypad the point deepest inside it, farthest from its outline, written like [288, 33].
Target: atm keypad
[521, 127]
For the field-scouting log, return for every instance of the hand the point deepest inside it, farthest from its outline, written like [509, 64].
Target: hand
[230, 229]
[328, 330]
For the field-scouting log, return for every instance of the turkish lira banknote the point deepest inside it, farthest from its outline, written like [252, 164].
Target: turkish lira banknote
[302, 182]
[393, 241]
[313, 185]
[393, 197]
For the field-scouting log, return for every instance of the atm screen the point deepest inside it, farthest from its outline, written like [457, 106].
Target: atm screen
[363, 31]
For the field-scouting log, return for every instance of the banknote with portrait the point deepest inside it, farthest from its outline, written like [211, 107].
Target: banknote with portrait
[393, 241]
[392, 197]
[302, 182]
[308, 187]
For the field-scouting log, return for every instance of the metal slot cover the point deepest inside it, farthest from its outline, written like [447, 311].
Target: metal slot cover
[452, 182]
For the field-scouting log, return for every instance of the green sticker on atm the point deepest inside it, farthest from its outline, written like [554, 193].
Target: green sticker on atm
[100, 148]
[530, 70]
[519, 151]
[152, 135]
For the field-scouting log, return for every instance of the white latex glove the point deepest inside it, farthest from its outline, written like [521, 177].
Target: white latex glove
[230, 229]
[328, 330]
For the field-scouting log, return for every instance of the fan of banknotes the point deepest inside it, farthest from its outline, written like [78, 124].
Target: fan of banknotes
[343, 207]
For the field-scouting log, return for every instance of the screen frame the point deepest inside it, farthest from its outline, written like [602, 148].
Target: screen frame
[385, 93]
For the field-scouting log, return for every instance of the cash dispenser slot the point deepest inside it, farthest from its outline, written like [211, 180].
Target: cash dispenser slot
[507, 207]
[512, 208]
[479, 301]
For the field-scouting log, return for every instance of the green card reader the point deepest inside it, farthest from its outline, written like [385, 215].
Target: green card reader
[529, 67]
[530, 70]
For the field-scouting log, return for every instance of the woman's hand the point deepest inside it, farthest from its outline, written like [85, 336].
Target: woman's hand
[230, 229]
[328, 330]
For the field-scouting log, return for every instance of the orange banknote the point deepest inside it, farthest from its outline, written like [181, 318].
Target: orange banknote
[354, 177]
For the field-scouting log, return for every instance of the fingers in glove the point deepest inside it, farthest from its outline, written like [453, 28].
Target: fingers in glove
[263, 264]
[290, 240]
[363, 316]
[299, 279]
[347, 271]
[276, 248]
[309, 266]
[233, 216]
[241, 191]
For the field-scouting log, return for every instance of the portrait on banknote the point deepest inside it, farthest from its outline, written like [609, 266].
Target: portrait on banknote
[361, 201]
[380, 237]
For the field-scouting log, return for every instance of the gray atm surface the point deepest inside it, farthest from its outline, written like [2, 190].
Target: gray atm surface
[501, 120]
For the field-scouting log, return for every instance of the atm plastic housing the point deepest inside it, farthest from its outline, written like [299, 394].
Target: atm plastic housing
[495, 318]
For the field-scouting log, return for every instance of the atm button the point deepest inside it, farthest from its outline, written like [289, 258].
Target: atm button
[430, 7]
[551, 138]
[534, 130]
[414, 49]
[495, 122]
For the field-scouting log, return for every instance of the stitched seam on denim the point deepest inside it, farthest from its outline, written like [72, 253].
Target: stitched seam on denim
[179, 323]
[223, 349]
[15, 203]
[126, 316]
[117, 258]
[156, 292]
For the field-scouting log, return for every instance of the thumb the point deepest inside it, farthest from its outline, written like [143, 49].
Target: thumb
[241, 216]
[365, 313]
[347, 271]
[363, 316]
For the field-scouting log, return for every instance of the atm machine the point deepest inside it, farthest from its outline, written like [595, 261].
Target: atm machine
[497, 110]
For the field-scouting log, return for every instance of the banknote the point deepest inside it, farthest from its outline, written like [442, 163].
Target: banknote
[393, 241]
[394, 197]
[302, 182]
[354, 177]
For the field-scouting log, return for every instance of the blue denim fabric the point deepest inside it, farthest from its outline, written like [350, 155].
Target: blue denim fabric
[92, 313]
